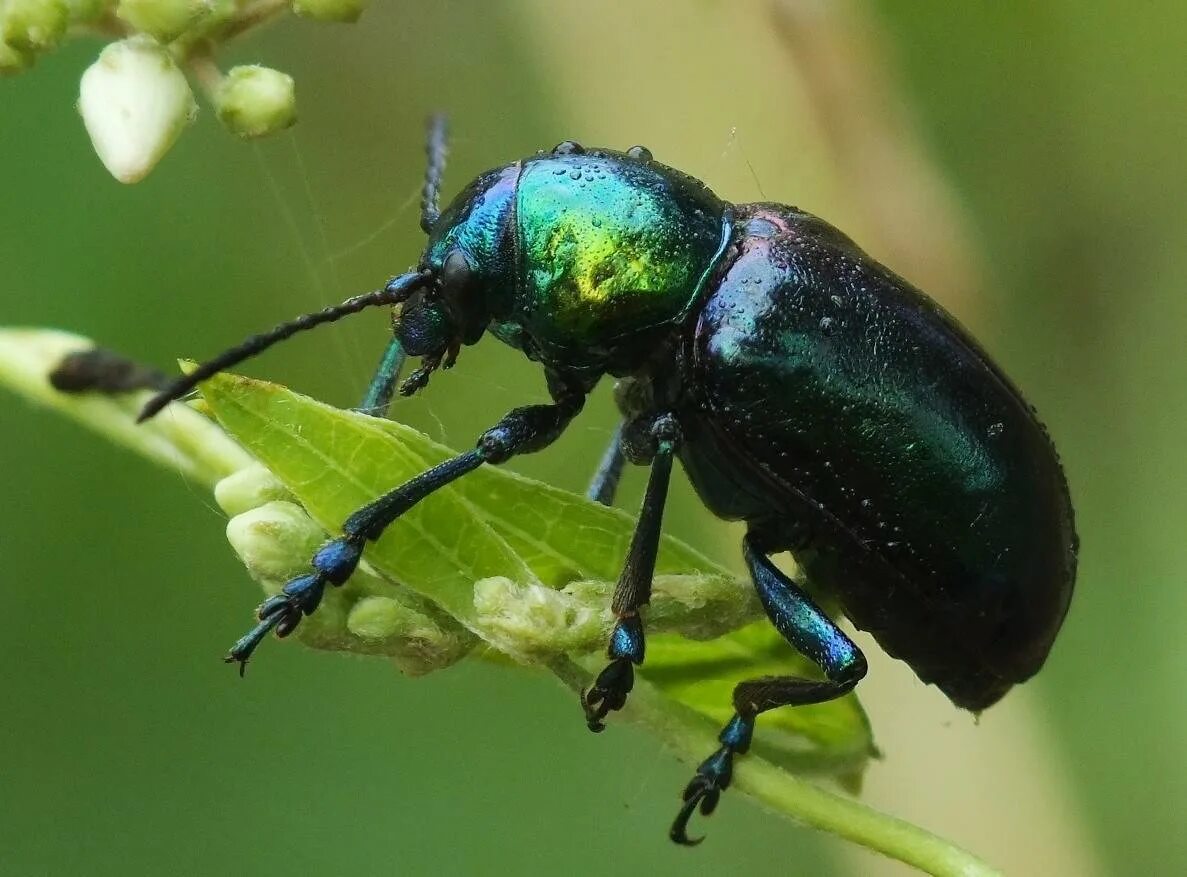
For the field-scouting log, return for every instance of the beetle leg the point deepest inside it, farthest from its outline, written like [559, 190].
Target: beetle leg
[523, 430]
[813, 634]
[604, 485]
[383, 385]
[610, 689]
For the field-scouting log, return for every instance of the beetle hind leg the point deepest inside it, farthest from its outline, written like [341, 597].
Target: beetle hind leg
[806, 627]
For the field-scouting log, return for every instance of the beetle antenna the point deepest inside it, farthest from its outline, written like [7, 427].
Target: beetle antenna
[436, 148]
[396, 291]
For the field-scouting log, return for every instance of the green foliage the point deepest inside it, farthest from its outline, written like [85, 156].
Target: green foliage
[496, 558]
[519, 538]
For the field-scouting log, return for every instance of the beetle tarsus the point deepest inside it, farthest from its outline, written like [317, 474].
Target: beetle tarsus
[703, 792]
[242, 650]
[608, 693]
[333, 564]
[713, 776]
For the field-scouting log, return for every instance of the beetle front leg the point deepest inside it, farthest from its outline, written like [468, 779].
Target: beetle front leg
[806, 627]
[521, 431]
[610, 689]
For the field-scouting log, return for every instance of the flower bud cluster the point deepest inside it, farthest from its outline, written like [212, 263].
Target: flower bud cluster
[136, 98]
[274, 537]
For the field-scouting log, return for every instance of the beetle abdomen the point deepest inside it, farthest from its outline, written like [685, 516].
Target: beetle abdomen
[933, 501]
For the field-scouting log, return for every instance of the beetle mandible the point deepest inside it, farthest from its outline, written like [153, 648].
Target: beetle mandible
[806, 389]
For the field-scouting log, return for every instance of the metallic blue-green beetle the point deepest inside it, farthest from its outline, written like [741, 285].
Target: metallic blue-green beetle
[806, 389]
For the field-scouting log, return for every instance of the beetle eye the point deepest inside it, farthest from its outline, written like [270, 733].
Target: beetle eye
[462, 296]
[456, 274]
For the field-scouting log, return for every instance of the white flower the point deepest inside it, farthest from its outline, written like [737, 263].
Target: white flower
[134, 102]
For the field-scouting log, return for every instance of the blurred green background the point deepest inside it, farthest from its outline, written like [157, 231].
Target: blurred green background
[127, 747]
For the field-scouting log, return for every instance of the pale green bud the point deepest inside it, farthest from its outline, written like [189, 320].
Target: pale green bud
[164, 19]
[415, 640]
[376, 618]
[254, 101]
[275, 540]
[249, 488]
[529, 621]
[134, 103]
[330, 10]
[32, 25]
[532, 622]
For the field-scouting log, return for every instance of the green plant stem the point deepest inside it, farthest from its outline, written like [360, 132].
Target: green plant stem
[182, 440]
[693, 737]
[205, 72]
[247, 18]
[810, 804]
[252, 15]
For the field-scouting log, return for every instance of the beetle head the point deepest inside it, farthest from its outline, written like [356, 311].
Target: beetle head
[440, 317]
[468, 256]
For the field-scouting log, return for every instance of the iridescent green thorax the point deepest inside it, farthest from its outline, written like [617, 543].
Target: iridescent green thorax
[476, 222]
[608, 246]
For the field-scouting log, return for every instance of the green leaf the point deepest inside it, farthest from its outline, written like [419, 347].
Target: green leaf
[494, 529]
[334, 462]
[833, 737]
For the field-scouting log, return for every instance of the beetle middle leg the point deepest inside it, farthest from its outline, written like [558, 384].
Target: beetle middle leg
[806, 627]
[523, 430]
[614, 683]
